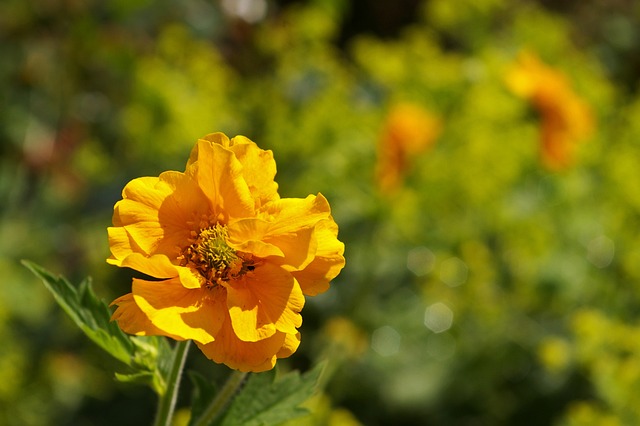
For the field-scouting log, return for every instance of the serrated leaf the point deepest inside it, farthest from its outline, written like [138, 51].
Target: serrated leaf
[148, 357]
[88, 312]
[266, 401]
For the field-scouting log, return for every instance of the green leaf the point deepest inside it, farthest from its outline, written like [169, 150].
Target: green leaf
[88, 312]
[152, 352]
[267, 401]
[148, 357]
[143, 378]
[151, 363]
[204, 391]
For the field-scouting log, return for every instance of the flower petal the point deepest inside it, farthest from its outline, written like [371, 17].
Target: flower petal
[158, 213]
[566, 119]
[121, 245]
[179, 312]
[244, 356]
[291, 343]
[259, 169]
[298, 247]
[287, 224]
[246, 235]
[219, 174]
[131, 319]
[328, 262]
[281, 299]
[218, 138]
[249, 321]
[264, 301]
[292, 228]
[159, 266]
[291, 214]
[186, 203]
[295, 249]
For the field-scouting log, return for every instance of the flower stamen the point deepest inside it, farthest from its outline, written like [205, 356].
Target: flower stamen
[214, 259]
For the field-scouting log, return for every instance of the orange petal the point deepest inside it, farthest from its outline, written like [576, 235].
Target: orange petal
[328, 262]
[287, 224]
[143, 225]
[298, 247]
[121, 245]
[281, 299]
[291, 343]
[179, 312]
[244, 356]
[131, 319]
[216, 138]
[295, 249]
[219, 174]
[157, 213]
[291, 214]
[264, 301]
[185, 203]
[249, 321]
[159, 266]
[246, 235]
[259, 169]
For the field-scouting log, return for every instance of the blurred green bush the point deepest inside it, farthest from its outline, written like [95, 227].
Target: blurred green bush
[485, 289]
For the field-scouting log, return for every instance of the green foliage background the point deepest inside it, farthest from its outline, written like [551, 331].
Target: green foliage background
[487, 290]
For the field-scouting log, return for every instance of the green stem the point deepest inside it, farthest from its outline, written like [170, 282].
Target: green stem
[221, 400]
[167, 402]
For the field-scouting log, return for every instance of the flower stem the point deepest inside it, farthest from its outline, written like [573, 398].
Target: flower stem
[214, 409]
[167, 402]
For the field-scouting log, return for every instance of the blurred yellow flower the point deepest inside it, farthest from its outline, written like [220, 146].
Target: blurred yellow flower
[555, 354]
[343, 336]
[231, 261]
[409, 129]
[566, 119]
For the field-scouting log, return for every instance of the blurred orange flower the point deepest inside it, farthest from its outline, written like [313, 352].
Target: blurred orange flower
[566, 119]
[408, 130]
[231, 261]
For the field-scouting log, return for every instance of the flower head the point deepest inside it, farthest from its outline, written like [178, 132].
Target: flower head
[230, 260]
[566, 119]
[408, 130]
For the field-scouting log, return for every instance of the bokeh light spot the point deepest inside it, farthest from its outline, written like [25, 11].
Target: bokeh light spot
[438, 317]
[385, 341]
[453, 272]
[600, 251]
[420, 261]
[250, 11]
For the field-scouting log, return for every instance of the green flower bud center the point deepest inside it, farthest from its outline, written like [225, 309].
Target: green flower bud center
[212, 249]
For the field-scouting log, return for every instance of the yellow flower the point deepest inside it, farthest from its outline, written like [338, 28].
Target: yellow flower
[230, 260]
[408, 130]
[566, 119]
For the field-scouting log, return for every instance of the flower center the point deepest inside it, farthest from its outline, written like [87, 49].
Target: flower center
[214, 259]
